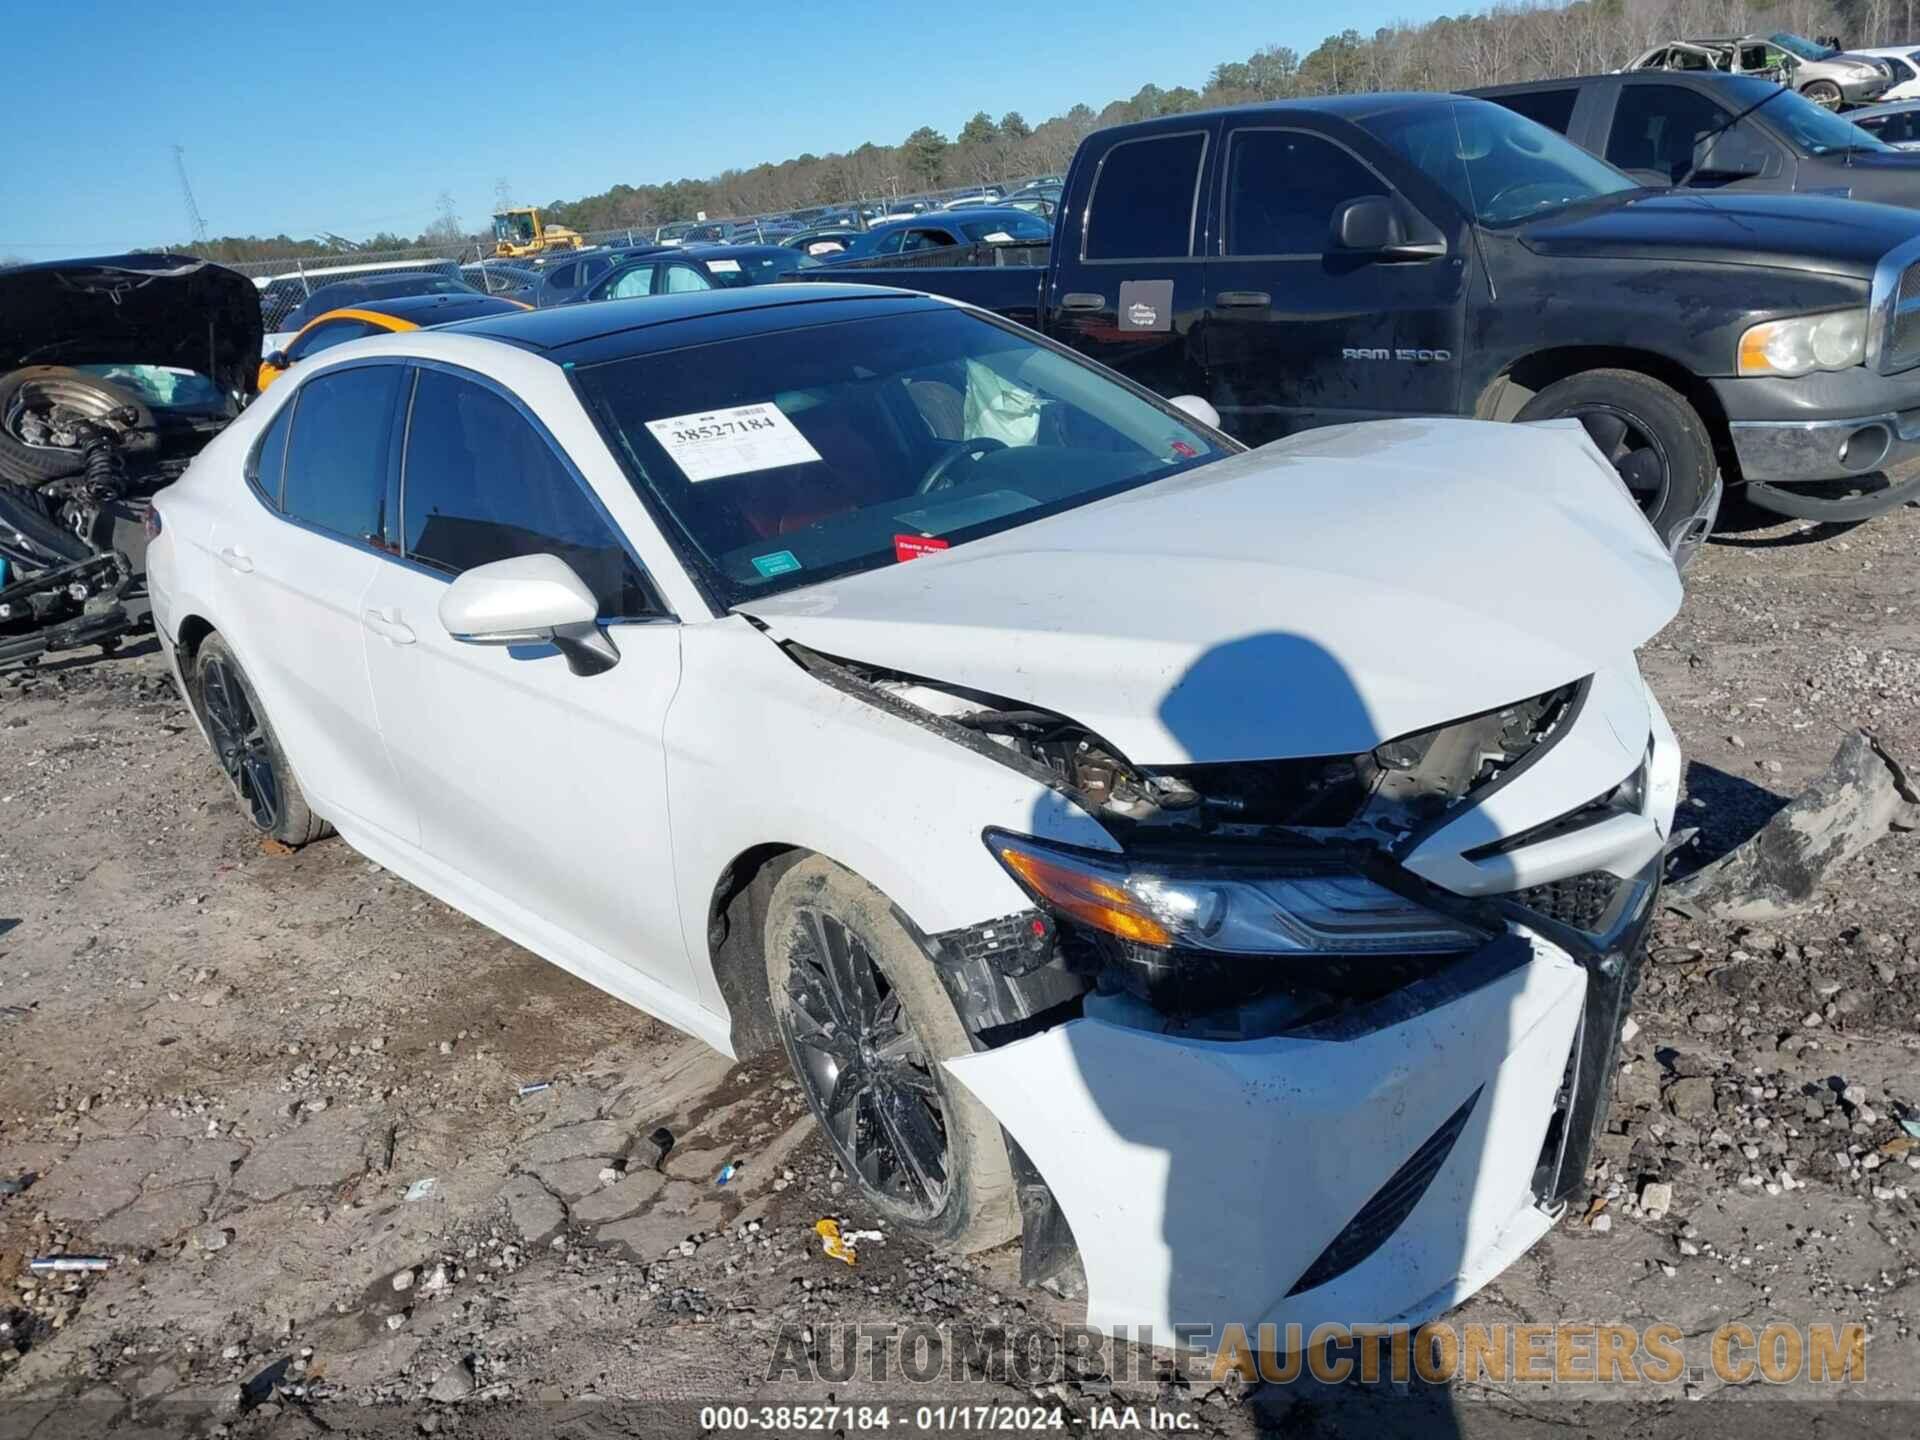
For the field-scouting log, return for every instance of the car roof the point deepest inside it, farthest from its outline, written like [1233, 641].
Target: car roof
[644, 325]
[1885, 107]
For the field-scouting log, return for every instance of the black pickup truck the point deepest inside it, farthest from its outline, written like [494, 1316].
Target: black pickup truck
[1315, 262]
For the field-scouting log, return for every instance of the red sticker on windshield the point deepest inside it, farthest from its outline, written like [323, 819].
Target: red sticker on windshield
[1184, 450]
[912, 547]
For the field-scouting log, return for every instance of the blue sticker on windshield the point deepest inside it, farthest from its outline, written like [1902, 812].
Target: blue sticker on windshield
[780, 562]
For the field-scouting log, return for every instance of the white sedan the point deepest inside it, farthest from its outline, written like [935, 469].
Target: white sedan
[1227, 865]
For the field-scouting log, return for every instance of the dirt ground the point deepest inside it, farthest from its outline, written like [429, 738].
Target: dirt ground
[282, 1094]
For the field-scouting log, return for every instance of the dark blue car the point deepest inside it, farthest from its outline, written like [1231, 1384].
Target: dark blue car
[695, 267]
[941, 228]
[566, 280]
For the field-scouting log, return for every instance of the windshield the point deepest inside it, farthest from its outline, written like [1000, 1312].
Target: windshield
[1499, 166]
[729, 271]
[1816, 131]
[782, 459]
[515, 229]
[1801, 46]
[1002, 229]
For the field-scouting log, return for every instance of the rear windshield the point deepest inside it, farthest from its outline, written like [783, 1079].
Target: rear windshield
[781, 459]
[1004, 228]
[730, 271]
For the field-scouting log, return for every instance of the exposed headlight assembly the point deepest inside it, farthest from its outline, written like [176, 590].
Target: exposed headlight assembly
[1300, 910]
[1805, 343]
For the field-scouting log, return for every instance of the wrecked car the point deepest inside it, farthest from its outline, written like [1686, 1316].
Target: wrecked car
[1135, 845]
[113, 374]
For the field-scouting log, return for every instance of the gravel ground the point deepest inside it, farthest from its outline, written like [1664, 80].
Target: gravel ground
[283, 1094]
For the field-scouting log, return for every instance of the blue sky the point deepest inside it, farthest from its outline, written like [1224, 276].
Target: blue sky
[353, 117]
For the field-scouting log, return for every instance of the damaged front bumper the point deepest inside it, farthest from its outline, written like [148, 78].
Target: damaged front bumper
[1374, 1167]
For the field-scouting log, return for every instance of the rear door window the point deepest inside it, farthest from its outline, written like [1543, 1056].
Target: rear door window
[269, 460]
[628, 284]
[1144, 199]
[563, 277]
[1551, 108]
[336, 468]
[480, 483]
[1282, 187]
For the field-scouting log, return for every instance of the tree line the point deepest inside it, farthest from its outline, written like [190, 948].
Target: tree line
[1510, 41]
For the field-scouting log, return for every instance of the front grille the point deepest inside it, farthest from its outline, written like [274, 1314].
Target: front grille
[1390, 1206]
[1581, 901]
[1903, 326]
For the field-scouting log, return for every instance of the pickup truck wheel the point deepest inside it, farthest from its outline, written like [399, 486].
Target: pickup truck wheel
[866, 1022]
[1823, 93]
[248, 751]
[1653, 437]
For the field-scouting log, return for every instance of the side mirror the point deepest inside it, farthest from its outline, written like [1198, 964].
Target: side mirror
[529, 600]
[278, 360]
[1198, 408]
[1381, 226]
[1735, 154]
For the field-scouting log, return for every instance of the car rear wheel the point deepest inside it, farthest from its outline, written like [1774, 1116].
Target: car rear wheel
[1654, 439]
[866, 1023]
[1823, 93]
[247, 750]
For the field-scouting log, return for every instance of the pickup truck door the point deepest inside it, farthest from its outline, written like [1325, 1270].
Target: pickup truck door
[1126, 286]
[1299, 334]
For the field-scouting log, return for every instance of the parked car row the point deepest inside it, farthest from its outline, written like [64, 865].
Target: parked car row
[1228, 796]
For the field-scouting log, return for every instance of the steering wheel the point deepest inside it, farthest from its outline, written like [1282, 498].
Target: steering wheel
[936, 477]
[1521, 189]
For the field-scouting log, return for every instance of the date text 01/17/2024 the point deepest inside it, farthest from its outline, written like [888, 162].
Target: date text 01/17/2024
[955, 1419]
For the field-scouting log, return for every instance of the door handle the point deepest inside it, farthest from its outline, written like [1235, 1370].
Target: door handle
[388, 627]
[1083, 301]
[1243, 300]
[235, 559]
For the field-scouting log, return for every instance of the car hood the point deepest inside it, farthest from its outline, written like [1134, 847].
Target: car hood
[1794, 232]
[136, 310]
[1314, 597]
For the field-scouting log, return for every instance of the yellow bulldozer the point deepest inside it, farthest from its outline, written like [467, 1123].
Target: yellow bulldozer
[518, 232]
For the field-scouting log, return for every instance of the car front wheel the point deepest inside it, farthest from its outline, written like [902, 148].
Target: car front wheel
[866, 1023]
[1823, 93]
[1653, 438]
[247, 750]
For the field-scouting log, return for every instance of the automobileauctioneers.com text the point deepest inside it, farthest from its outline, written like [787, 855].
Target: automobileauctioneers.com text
[1736, 1353]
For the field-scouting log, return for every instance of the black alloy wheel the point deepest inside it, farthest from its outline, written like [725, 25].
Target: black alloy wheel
[240, 743]
[866, 1071]
[1634, 451]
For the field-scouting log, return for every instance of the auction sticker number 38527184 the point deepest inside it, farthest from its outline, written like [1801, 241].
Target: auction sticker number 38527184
[713, 444]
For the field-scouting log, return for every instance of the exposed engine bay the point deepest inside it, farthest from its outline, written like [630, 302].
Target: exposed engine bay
[81, 459]
[113, 375]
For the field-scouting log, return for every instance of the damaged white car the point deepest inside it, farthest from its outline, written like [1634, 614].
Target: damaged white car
[1228, 866]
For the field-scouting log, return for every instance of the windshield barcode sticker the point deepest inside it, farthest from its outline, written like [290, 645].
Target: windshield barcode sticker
[717, 443]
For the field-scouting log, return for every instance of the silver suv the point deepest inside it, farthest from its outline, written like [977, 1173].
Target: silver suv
[1828, 77]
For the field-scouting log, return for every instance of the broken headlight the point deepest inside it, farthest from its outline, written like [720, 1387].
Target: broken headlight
[1303, 910]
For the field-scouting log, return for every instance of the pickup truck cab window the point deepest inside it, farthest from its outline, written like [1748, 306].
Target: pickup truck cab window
[1144, 198]
[480, 484]
[337, 456]
[1655, 128]
[1282, 187]
[1551, 108]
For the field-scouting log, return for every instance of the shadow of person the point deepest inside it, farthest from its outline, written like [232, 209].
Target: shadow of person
[1357, 1143]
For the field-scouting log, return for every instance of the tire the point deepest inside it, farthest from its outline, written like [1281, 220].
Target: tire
[1639, 424]
[822, 914]
[1823, 93]
[247, 750]
[25, 464]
